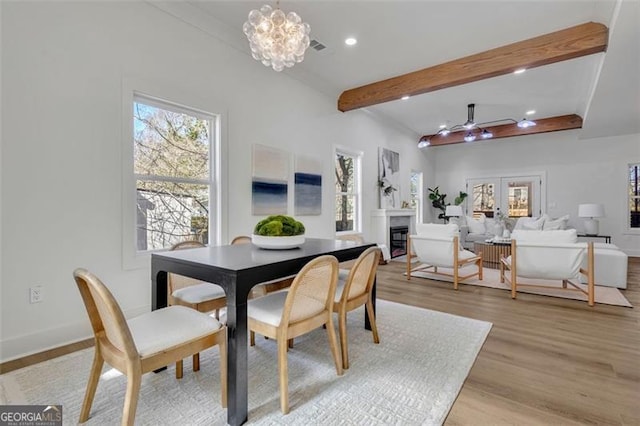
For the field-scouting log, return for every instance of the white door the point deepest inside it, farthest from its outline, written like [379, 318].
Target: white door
[515, 196]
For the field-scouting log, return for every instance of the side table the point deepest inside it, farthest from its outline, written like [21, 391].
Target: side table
[606, 238]
[491, 252]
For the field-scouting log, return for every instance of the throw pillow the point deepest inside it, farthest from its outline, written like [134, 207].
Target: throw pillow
[524, 220]
[535, 225]
[556, 224]
[476, 226]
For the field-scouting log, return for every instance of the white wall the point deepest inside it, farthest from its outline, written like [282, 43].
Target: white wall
[577, 171]
[1, 191]
[64, 66]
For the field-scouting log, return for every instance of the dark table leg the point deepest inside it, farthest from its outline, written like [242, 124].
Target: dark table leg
[367, 324]
[238, 358]
[158, 294]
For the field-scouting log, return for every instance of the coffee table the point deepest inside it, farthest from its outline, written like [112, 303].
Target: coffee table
[491, 252]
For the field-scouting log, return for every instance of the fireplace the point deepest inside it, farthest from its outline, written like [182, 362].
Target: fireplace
[398, 240]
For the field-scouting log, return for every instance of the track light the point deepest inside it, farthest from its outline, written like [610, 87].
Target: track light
[469, 137]
[486, 134]
[524, 123]
[474, 130]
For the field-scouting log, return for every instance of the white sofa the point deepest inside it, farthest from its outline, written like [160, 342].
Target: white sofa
[610, 265]
[483, 228]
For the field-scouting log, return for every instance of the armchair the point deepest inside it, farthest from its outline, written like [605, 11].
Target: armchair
[437, 246]
[549, 255]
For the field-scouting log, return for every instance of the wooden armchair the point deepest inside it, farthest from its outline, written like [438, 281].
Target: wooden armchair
[549, 255]
[438, 246]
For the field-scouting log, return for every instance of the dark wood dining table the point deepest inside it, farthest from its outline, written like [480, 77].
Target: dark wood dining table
[237, 268]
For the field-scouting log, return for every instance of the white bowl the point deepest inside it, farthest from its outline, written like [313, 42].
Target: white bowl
[277, 243]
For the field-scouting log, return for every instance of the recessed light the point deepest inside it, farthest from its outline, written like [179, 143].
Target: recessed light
[531, 112]
[350, 41]
[520, 71]
[442, 126]
[405, 97]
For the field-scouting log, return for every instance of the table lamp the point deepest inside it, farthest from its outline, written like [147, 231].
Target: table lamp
[590, 212]
[453, 211]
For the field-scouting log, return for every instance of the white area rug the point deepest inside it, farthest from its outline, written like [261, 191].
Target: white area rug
[412, 377]
[491, 279]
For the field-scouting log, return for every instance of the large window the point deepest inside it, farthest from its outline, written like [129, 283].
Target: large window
[347, 191]
[634, 196]
[172, 162]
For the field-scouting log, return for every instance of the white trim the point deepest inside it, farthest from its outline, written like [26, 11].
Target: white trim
[51, 338]
[177, 98]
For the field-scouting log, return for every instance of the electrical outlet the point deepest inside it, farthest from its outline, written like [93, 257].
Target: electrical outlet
[36, 294]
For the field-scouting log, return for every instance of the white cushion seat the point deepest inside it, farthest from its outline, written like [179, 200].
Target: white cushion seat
[199, 293]
[268, 309]
[343, 274]
[172, 326]
[466, 254]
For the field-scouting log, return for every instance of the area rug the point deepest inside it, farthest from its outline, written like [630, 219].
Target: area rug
[491, 279]
[412, 377]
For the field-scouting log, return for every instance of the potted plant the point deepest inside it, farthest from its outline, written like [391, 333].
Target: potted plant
[438, 201]
[278, 232]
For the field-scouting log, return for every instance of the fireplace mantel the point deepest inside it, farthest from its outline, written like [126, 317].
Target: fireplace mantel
[383, 219]
[393, 212]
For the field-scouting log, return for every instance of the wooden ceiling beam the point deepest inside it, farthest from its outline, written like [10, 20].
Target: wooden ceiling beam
[544, 125]
[570, 43]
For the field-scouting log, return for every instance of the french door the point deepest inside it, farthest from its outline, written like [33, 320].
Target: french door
[514, 196]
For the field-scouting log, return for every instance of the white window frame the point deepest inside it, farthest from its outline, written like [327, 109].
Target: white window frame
[177, 99]
[420, 195]
[357, 184]
[628, 197]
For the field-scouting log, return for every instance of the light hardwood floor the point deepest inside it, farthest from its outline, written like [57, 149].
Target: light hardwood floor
[546, 361]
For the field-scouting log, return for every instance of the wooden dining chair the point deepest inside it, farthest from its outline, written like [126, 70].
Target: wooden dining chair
[192, 293]
[355, 291]
[195, 294]
[144, 343]
[307, 305]
[201, 296]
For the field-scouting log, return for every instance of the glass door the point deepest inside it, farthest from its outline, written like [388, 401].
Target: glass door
[483, 196]
[515, 196]
[521, 196]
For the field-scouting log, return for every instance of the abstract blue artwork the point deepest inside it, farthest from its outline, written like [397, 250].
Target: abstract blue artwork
[269, 184]
[308, 187]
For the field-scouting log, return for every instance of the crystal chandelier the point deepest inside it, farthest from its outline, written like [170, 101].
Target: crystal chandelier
[276, 39]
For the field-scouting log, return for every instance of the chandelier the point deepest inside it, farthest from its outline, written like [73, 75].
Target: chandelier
[277, 40]
[474, 130]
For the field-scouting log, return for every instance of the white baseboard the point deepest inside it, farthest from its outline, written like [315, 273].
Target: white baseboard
[43, 340]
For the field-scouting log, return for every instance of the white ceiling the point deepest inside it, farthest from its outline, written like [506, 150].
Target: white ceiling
[396, 37]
